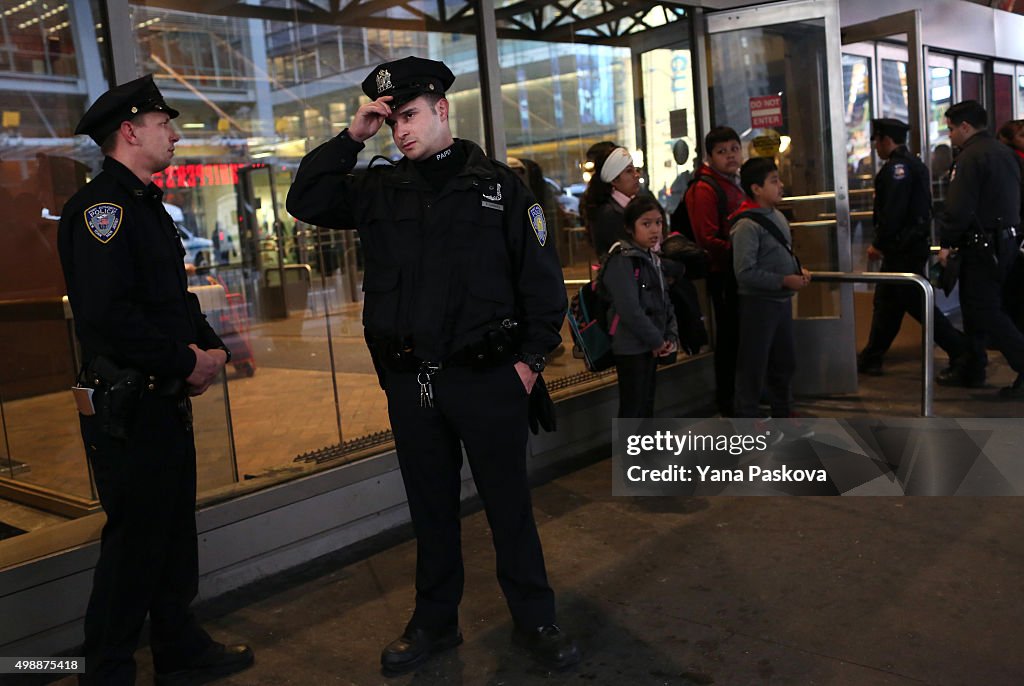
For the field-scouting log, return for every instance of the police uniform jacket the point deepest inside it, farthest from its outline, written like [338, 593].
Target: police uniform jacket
[903, 207]
[124, 268]
[442, 268]
[984, 190]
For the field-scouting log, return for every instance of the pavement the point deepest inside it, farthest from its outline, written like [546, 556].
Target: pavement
[766, 591]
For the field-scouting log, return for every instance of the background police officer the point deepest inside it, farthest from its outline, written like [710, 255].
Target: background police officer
[902, 213]
[982, 220]
[146, 347]
[464, 297]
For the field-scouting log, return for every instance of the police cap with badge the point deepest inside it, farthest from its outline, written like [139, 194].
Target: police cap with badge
[893, 128]
[122, 103]
[407, 79]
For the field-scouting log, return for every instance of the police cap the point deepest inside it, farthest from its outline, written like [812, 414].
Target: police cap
[893, 128]
[407, 79]
[121, 103]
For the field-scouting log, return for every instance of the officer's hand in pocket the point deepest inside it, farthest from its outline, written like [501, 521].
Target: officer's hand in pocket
[527, 376]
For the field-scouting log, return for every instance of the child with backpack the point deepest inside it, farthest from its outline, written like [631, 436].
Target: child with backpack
[642, 320]
[712, 196]
[767, 276]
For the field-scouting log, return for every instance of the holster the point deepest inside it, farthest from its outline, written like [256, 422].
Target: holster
[117, 394]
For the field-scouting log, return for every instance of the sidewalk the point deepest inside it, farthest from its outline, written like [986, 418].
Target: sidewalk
[730, 591]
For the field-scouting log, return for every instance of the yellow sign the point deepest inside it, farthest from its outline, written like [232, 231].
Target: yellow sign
[12, 120]
[767, 145]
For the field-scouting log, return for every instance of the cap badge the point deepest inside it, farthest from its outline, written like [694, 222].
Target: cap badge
[135, 110]
[103, 220]
[383, 81]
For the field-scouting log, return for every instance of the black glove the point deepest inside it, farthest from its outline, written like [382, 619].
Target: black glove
[542, 409]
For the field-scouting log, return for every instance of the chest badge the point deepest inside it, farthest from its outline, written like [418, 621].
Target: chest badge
[103, 220]
[540, 227]
[497, 193]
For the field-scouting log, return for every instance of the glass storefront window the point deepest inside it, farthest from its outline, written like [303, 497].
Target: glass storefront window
[671, 128]
[255, 95]
[52, 67]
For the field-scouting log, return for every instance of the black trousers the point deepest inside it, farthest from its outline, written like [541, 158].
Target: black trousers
[485, 411]
[986, 320]
[767, 356]
[148, 560]
[725, 300]
[891, 301]
[636, 378]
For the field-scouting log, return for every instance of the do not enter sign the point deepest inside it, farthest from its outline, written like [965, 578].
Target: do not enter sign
[765, 111]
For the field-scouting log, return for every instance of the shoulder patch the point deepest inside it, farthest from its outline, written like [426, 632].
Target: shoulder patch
[103, 220]
[899, 171]
[540, 228]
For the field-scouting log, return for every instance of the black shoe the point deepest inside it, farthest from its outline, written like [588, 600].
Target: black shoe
[954, 376]
[217, 661]
[1014, 391]
[413, 647]
[869, 366]
[548, 646]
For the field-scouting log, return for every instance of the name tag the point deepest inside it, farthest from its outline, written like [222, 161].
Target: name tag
[492, 205]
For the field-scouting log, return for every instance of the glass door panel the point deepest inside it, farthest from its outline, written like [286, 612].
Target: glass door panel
[1002, 94]
[972, 80]
[860, 158]
[776, 76]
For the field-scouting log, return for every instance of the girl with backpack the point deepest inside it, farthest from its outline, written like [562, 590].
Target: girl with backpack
[642, 320]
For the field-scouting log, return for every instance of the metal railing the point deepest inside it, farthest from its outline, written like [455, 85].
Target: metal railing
[927, 320]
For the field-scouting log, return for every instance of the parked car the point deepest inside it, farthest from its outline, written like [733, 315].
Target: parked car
[197, 249]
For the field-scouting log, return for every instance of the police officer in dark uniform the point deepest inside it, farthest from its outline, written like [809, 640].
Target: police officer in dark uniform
[464, 298]
[902, 214]
[982, 221]
[146, 347]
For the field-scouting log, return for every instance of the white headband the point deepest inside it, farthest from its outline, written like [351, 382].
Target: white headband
[617, 160]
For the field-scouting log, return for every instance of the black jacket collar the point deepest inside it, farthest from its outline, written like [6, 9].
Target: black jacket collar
[130, 181]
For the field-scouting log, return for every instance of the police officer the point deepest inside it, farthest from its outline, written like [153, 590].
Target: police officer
[982, 220]
[902, 214]
[464, 298]
[146, 347]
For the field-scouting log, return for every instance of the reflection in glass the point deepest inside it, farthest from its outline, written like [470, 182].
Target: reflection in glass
[894, 90]
[782, 60]
[938, 135]
[860, 160]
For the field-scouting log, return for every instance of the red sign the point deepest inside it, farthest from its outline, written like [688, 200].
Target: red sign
[193, 175]
[765, 111]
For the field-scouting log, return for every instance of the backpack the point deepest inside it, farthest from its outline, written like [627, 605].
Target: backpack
[680, 219]
[588, 319]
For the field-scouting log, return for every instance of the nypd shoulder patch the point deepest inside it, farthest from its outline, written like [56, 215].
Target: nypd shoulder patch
[540, 227]
[103, 220]
[899, 171]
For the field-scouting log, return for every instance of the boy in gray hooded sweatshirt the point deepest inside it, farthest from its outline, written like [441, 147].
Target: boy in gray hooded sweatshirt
[768, 274]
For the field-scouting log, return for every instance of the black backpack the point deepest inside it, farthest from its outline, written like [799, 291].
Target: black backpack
[680, 219]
